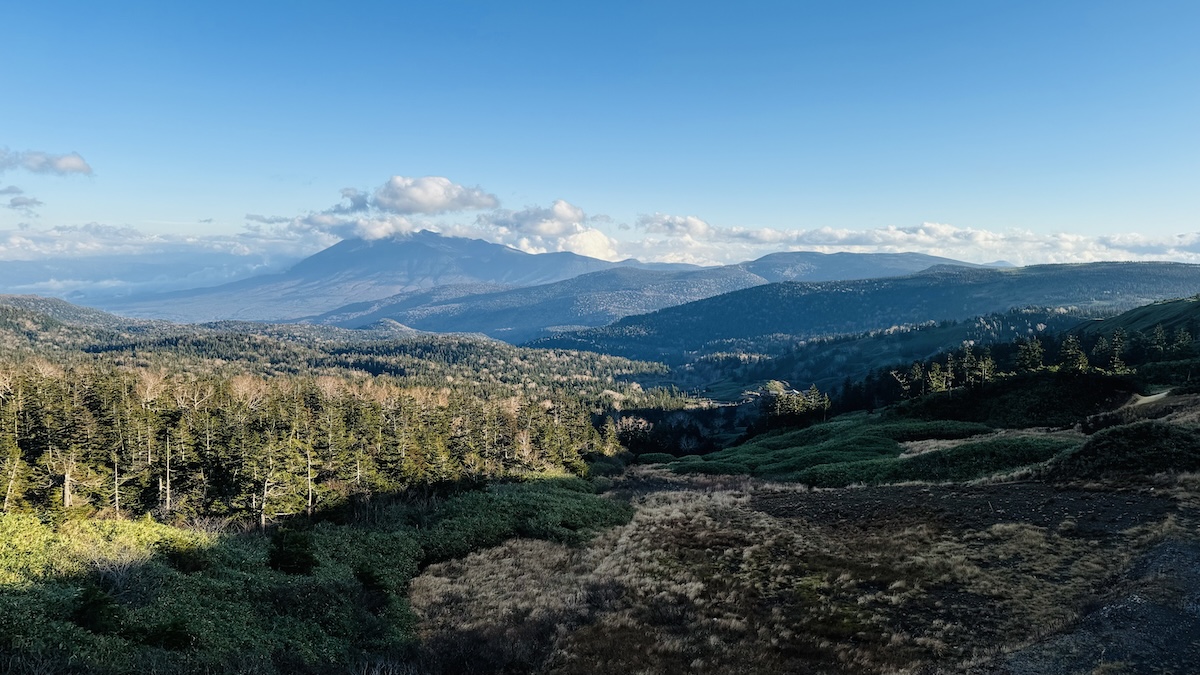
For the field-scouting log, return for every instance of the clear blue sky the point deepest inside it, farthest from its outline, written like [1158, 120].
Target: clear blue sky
[1044, 117]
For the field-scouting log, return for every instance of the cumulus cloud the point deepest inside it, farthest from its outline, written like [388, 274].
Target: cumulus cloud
[404, 205]
[560, 227]
[11, 190]
[37, 161]
[429, 195]
[675, 226]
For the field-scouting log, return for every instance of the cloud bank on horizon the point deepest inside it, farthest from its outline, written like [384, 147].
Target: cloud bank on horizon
[402, 205]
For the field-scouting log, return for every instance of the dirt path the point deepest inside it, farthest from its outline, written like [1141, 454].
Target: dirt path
[1138, 399]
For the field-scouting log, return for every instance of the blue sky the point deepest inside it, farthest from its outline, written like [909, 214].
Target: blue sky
[1033, 131]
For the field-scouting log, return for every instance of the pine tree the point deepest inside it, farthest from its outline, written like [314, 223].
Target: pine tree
[1073, 358]
[1029, 355]
[1117, 364]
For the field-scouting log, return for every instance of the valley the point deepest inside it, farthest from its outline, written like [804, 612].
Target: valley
[977, 496]
[600, 338]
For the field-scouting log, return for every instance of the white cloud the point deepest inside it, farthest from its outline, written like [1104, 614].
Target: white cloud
[11, 190]
[675, 226]
[37, 161]
[405, 205]
[429, 195]
[97, 239]
[561, 227]
[689, 239]
[267, 220]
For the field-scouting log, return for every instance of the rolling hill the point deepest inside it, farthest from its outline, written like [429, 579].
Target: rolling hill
[805, 310]
[420, 280]
[599, 298]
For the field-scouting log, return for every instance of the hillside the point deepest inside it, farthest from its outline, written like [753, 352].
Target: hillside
[807, 310]
[828, 362]
[360, 270]
[238, 497]
[522, 314]
[1171, 315]
[599, 298]
[813, 266]
[418, 279]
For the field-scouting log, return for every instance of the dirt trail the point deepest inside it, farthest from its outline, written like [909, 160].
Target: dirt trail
[1138, 399]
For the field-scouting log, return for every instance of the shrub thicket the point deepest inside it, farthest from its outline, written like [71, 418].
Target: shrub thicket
[1138, 449]
[133, 596]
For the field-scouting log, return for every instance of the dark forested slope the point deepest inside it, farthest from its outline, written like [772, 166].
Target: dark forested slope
[943, 293]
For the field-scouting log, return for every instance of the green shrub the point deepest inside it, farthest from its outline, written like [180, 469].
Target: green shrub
[922, 430]
[560, 510]
[292, 551]
[605, 466]
[1138, 449]
[655, 458]
[187, 556]
[96, 611]
[28, 548]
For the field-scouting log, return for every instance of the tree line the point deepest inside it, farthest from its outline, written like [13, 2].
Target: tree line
[969, 366]
[179, 445]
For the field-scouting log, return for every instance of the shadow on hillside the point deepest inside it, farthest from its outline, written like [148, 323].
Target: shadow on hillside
[309, 596]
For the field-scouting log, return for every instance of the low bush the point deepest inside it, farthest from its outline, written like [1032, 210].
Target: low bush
[656, 458]
[292, 551]
[563, 510]
[605, 466]
[1138, 449]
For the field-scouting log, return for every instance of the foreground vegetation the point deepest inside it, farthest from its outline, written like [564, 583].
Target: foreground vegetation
[137, 596]
[171, 510]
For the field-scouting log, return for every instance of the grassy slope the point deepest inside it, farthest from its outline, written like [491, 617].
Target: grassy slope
[134, 596]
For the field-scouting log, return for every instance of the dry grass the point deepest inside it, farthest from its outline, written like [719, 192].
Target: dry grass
[700, 582]
[912, 448]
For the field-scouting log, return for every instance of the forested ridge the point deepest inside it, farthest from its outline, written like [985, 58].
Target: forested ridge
[800, 311]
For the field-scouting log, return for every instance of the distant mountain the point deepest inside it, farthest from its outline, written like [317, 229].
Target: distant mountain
[420, 280]
[811, 266]
[520, 314]
[357, 270]
[803, 310]
[599, 298]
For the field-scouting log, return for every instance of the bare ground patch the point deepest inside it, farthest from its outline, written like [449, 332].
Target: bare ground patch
[721, 574]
